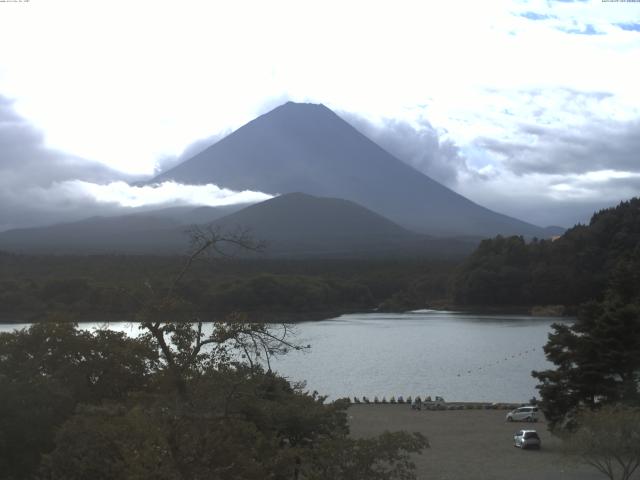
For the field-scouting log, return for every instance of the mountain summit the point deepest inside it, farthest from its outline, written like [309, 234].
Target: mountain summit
[308, 148]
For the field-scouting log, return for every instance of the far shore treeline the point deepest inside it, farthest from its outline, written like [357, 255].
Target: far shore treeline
[106, 286]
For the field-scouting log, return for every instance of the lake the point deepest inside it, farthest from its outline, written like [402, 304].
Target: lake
[459, 356]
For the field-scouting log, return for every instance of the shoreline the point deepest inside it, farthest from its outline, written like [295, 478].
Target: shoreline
[255, 317]
[525, 310]
[290, 317]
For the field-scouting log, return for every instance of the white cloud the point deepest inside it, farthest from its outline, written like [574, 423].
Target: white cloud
[419, 144]
[71, 200]
[551, 199]
[166, 193]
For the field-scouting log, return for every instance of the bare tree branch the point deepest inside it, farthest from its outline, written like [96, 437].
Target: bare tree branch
[184, 344]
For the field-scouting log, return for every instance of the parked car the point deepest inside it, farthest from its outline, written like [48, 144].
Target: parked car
[528, 413]
[526, 439]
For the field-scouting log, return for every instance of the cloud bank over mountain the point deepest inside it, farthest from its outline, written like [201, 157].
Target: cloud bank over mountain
[421, 146]
[166, 193]
[40, 185]
[544, 174]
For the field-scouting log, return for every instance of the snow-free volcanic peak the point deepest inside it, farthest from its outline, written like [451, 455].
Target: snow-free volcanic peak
[303, 147]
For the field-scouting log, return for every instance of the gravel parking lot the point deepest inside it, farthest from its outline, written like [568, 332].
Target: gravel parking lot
[471, 444]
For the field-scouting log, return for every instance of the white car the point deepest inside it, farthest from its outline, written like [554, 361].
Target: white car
[523, 414]
[526, 439]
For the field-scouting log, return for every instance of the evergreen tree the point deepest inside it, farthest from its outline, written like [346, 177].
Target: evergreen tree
[598, 358]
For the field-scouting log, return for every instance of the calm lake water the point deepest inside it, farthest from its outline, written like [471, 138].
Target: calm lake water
[459, 356]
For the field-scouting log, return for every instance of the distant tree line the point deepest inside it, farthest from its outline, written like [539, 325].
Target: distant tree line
[32, 287]
[569, 270]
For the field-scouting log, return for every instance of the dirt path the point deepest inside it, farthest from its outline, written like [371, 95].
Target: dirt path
[470, 444]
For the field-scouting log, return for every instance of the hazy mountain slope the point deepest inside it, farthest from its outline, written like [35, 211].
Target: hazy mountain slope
[295, 224]
[125, 234]
[302, 215]
[303, 225]
[190, 215]
[156, 231]
[308, 148]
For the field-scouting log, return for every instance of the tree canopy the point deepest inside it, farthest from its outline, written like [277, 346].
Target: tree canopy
[569, 270]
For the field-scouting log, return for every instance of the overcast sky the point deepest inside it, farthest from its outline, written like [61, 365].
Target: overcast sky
[531, 108]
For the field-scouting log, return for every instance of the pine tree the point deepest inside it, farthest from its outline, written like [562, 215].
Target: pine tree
[598, 358]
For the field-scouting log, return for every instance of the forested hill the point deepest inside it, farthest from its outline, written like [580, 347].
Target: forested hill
[572, 269]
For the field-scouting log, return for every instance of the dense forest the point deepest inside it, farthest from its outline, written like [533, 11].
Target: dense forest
[34, 287]
[569, 270]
